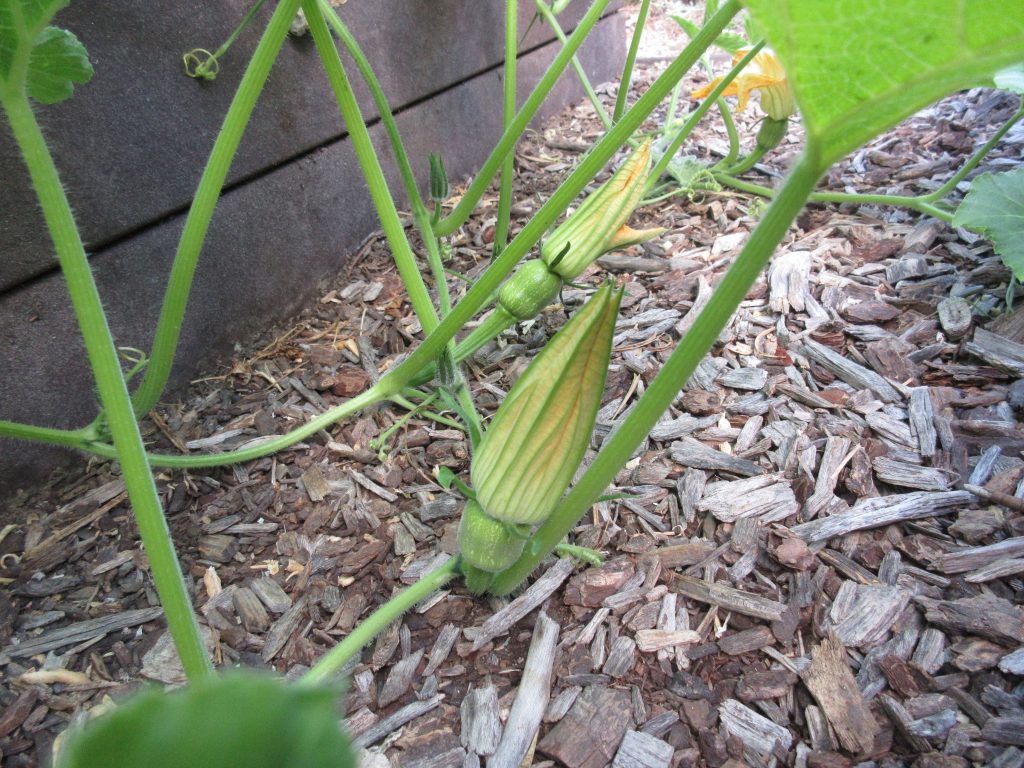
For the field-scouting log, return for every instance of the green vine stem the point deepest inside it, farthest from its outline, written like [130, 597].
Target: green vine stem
[384, 204]
[544, 10]
[483, 288]
[172, 312]
[457, 217]
[734, 136]
[748, 162]
[697, 115]
[333, 661]
[627, 70]
[914, 203]
[681, 364]
[110, 383]
[508, 113]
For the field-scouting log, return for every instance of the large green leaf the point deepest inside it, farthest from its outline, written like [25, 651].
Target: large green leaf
[858, 67]
[45, 61]
[233, 720]
[995, 207]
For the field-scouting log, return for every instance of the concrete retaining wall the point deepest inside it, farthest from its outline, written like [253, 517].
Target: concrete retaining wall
[131, 146]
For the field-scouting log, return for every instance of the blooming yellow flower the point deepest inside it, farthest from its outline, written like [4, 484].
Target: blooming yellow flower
[765, 74]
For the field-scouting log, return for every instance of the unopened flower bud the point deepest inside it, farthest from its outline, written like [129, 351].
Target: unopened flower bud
[599, 224]
[538, 437]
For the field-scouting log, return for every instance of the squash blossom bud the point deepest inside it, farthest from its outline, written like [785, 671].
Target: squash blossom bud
[599, 224]
[537, 439]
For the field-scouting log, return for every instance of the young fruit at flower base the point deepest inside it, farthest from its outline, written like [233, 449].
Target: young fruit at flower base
[528, 291]
[599, 224]
[487, 546]
[538, 437]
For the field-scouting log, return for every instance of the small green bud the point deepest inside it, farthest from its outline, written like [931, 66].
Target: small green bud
[529, 290]
[771, 133]
[536, 440]
[485, 543]
[438, 180]
[599, 224]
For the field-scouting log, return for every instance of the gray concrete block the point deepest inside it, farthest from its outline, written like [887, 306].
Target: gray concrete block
[271, 240]
[132, 143]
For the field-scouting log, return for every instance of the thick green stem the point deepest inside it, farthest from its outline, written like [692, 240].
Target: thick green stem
[627, 70]
[914, 203]
[67, 438]
[748, 162]
[394, 232]
[618, 448]
[110, 383]
[695, 117]
[197, 223]
[379, 100]
[508, 113]
[544, 10]
[508, 140]
[333, 661]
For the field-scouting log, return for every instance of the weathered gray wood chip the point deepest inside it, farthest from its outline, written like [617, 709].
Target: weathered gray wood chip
[921, 415]
[985, 614]
[442, 647]
[766, 497]
[621, 657]
[752, 379]
[693, 453]
[399, 679]
[641, 750]
[757, 732]
[728, 598]
[998, 350]
[82, 631]
[282, 629]
[270, 594]
[481, 724]
[955, 316]
[852, 373]
[250, 610]
[531, 697]
[906, 475]
[507, 617]
[971, 558]
[865, 616]
[883, 510]
[396, 720]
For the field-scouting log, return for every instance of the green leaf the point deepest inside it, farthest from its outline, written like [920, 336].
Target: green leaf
[995, 208]
[1011, 79]
[44, 61]
[231, 720]
[858, 67]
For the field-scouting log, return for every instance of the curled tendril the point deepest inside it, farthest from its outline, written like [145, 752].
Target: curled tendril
[200, 63]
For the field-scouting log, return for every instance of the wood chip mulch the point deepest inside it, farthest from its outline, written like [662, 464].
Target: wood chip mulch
[819, 561]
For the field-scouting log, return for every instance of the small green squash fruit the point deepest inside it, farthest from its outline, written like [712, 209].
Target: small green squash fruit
[529, 290]
[485, 543]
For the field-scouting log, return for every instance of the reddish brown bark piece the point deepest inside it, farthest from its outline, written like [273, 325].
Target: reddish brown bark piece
[589, 735]
[830, 681]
